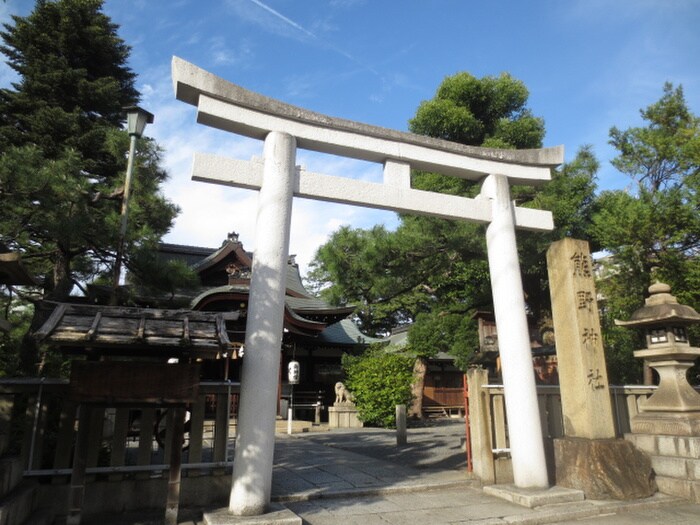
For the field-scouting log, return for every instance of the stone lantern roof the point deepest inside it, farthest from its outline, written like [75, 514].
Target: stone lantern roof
[661, 308]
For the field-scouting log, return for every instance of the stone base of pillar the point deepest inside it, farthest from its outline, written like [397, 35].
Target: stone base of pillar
[666, 423]
[343, 416]
[603, 468]
[277, 514]
[532, 498]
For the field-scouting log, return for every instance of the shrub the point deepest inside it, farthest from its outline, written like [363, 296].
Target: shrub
[379, 380]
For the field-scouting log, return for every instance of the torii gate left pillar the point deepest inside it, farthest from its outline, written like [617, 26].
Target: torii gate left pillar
[229, 107]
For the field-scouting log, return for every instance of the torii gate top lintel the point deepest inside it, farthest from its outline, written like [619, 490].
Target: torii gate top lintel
[227, 106]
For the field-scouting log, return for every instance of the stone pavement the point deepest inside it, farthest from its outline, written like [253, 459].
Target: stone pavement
[362, 477]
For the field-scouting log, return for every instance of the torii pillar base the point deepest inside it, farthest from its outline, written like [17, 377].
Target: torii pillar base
[276, 514]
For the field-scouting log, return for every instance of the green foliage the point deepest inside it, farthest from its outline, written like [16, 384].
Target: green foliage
[379, 379]
[19, 315]
[489, 111]
[453, 333]
[73, 84]
[152, 275]
[666, 151]
[570, 196]
[653, 233]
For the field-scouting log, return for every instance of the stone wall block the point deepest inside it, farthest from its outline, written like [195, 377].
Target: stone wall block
[645, 442]
[678, 446]
[675, 487]
[692, 447]
[694, 469]
[670, 446]
[670, 466]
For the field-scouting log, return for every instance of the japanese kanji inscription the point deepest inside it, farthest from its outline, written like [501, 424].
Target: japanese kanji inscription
[581, 360]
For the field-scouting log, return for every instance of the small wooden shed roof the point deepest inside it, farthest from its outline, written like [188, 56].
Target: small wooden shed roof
[137, 331]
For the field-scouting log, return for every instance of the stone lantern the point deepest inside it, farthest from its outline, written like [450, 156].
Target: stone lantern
[675, 404]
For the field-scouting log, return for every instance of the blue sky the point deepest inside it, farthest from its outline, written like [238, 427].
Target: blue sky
[588, 64]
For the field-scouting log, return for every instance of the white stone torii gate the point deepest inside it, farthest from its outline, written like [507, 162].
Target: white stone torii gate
[283, 128]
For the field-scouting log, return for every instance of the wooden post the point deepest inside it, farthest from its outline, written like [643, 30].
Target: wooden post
[175, 472]
[221, 427]
[64, 441]
[196, 432]
[467, 425]
[148, 418]
[77, 480]
[121, 428]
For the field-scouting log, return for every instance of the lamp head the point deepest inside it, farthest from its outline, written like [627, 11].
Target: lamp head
[136, 120]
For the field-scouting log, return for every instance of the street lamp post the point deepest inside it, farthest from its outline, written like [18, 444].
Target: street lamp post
[136, 120]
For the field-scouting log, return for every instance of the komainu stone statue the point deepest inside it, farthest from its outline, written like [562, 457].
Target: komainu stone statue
[342, 395]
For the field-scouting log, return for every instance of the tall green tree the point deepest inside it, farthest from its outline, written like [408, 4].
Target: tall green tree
[62, 162]
[395, 275]
[62, 149]
[652, 232]
[432, 271]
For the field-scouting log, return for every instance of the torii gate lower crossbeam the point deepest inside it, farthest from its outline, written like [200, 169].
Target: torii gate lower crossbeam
[229, 107]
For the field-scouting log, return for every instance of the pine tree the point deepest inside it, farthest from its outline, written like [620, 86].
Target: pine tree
[62, 163]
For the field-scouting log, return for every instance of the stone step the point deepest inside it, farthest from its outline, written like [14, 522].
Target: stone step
[17, 507]
[298, 426]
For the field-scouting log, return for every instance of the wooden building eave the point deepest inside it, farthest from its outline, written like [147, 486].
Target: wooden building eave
[134, 331]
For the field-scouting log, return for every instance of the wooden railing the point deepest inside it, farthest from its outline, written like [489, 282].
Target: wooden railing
[38, 422]
[489, 426]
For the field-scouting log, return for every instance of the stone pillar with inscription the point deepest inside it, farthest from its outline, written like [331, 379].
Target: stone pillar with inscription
[583, 377]
[589, 457]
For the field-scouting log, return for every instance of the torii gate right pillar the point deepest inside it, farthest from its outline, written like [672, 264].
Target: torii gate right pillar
[526, 445]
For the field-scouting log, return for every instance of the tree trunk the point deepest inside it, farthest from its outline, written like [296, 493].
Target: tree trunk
[62, 281]
[420, 367]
